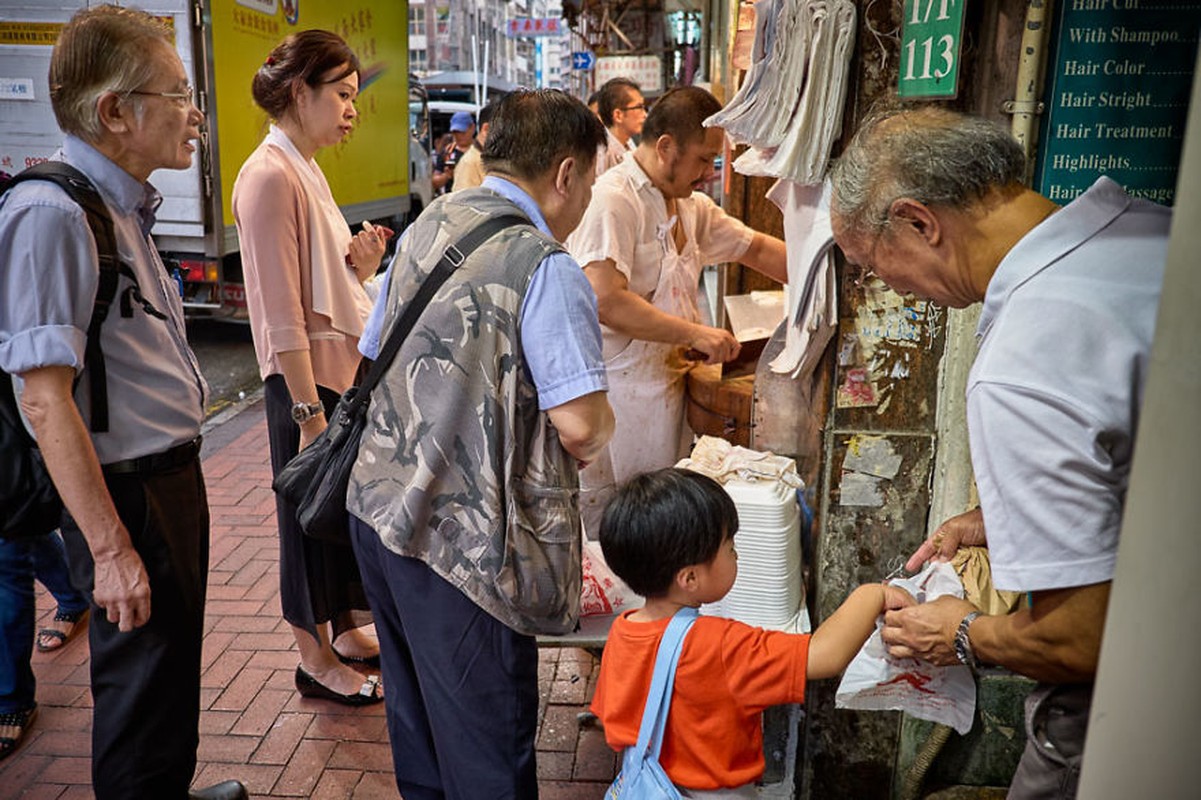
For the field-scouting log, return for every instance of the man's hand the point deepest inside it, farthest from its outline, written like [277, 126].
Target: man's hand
[717, 344]
[122, 588]
[926, 631]
[120, 584]
[962, 530]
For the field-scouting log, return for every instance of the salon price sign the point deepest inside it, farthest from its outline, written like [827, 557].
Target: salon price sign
[931, 41]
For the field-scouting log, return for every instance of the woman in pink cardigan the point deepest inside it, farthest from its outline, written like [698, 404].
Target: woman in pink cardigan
[304, 273]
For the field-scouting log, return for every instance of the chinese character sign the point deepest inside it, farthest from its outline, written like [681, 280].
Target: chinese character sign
[529, 27]
[645, 70]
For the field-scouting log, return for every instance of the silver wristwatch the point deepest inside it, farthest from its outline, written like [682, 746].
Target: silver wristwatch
[303, 412]
[963, 644]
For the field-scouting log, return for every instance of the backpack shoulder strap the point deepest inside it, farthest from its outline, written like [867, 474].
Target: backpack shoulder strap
[82, 192]
[658, 699]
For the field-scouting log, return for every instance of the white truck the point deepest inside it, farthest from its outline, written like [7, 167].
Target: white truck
[377, 174]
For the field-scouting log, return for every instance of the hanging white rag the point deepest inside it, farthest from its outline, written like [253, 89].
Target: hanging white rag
[803, 153]
[336, 291]
[811, 298]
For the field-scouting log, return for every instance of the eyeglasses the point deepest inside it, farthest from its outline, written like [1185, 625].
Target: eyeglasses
[639, 107]
[865, 272]
[188, 95]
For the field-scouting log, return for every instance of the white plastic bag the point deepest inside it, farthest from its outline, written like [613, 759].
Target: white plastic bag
[875, 681]
[603, 592]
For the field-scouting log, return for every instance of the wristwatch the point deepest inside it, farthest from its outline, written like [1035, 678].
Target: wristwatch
[963, 645]
[303, 412]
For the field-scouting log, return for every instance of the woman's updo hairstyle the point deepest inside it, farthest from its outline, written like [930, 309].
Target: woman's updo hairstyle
[304, 56]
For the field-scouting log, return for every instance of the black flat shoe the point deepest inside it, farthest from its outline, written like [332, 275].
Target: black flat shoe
[365, 661]
[22, 721]
[226, 790]
[367, 695]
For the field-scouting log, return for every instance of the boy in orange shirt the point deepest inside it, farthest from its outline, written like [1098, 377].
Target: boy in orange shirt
[669, 535]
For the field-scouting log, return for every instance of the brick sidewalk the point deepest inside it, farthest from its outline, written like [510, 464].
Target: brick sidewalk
[254, 726]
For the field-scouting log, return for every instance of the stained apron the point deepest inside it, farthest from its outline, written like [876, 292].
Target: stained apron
[646, 381]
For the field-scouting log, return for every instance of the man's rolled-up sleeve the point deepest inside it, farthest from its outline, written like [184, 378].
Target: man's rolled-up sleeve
[560, 333]
[48, 279]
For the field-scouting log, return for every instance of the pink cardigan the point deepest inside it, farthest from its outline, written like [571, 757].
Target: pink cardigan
[271, 212]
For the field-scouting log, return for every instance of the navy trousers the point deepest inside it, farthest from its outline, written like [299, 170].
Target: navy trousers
[461, 688]
[146, 683]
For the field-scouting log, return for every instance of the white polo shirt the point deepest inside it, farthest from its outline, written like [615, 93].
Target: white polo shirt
[1054, 395]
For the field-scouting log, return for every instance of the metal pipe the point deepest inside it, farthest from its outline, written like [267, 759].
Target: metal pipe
[1026, 106]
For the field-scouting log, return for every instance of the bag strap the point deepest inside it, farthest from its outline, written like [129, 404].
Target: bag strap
[658, 699]
[84, 194]
[452, 258]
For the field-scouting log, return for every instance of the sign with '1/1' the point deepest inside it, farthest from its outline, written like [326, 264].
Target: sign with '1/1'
[931, 38]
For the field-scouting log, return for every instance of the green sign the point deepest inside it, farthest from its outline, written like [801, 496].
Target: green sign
[931, 35]
[1118, 85]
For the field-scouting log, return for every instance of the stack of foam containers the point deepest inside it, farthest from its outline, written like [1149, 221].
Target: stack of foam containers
[769, 591]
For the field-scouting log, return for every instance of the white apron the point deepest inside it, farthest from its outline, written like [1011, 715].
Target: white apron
[646, 384]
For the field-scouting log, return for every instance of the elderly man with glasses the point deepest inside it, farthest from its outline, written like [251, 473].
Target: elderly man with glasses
[136, 525]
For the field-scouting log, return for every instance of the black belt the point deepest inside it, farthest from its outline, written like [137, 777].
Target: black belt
[178, 456]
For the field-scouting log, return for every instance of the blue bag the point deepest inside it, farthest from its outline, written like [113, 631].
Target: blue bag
[641, 776]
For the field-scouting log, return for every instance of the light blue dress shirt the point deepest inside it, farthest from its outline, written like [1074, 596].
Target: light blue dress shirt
[48, 280]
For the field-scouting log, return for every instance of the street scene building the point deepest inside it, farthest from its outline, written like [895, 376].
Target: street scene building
[910, 279]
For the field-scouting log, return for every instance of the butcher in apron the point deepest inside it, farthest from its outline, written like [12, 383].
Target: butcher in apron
[643, 241]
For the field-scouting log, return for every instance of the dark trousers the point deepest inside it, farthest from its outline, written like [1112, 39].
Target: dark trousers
[461, 689]
[1056, 723]
[146, 683]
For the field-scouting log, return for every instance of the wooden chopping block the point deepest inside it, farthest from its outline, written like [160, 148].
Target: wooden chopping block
[719, 407]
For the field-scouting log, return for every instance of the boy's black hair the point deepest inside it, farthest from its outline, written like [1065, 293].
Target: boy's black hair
[660, 522]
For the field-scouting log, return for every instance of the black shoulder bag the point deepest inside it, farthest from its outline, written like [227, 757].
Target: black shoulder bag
[315, 481]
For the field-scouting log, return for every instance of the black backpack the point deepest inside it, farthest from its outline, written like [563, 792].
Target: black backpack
[29, 503]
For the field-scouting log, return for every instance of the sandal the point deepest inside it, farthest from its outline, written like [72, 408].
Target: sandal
[21, 720]
[52, 639]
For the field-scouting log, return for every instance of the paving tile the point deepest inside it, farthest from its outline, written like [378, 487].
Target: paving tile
[376, 786]
[226, 748]
[337, 784]
[559, 729]
[262, 713]
[555, 766]
[594, 759]
[304, 768]
[564, 790]
[362, 755]
[281, 739]
[43, 791]
[258, 778]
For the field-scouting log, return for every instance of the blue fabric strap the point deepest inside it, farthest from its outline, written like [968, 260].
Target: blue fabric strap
[658, 699]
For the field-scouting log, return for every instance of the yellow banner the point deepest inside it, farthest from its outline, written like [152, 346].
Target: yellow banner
[43, 33]
[30, 33]
[372, 163]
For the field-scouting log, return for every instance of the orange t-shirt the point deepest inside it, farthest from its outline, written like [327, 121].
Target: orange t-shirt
[728, 673]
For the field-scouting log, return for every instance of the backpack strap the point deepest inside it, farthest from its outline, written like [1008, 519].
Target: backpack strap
[81, 190]
[658, 699]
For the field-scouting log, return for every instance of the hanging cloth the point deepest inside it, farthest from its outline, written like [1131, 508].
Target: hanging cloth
[789, 107]
[811, 299]
[336, 291]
